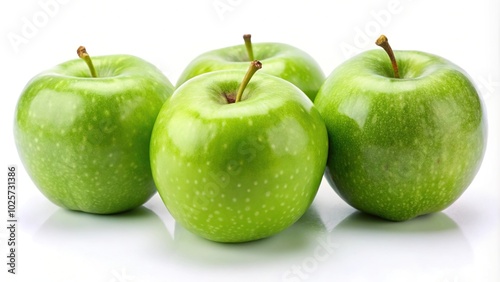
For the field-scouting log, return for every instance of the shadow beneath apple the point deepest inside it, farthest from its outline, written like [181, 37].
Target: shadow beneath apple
[426, 248]
[431, 223]
[293, 241]
[121, 239]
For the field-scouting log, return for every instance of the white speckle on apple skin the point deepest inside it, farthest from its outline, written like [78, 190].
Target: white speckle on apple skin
[77, 160]
[412, 147]
[255, 167]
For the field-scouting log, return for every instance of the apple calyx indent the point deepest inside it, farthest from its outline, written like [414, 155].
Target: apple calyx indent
[248, 46]
[82, 53]
[383, 42]
[254, 67]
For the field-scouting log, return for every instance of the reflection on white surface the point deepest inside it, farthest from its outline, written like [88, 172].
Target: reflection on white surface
[291, 242]
[137, 231]
[102, 245]
[426, 248]
[261, 260]
[139, 245]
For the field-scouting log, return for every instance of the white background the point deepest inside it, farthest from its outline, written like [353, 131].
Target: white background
[332, 242]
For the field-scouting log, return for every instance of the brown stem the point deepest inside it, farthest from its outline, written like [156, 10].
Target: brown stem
[82, 53]
[254, 66]
[383, 42]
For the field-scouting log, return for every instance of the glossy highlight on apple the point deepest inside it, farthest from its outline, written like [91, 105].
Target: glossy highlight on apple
[238, 149]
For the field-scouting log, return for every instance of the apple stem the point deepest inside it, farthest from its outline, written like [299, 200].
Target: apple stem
[82, 53]
[383, 42]
[254, 66]
[248, 45]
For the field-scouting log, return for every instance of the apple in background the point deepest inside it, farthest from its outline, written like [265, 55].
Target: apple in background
[236, 162]
[281, 60]
[404, 141]
[84, 140]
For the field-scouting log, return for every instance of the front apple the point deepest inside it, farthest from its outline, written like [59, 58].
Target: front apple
[281, 60]
[85, 141]
[238, 171]
[401, 147]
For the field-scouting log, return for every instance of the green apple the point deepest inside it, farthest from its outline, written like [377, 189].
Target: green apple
[85, 140]
[238, 162]
[281, 60]
[402, 146]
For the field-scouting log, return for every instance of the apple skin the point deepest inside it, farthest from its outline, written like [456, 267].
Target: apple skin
[241, 171]
[278, 59]
[400, 148]
[85, 141]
